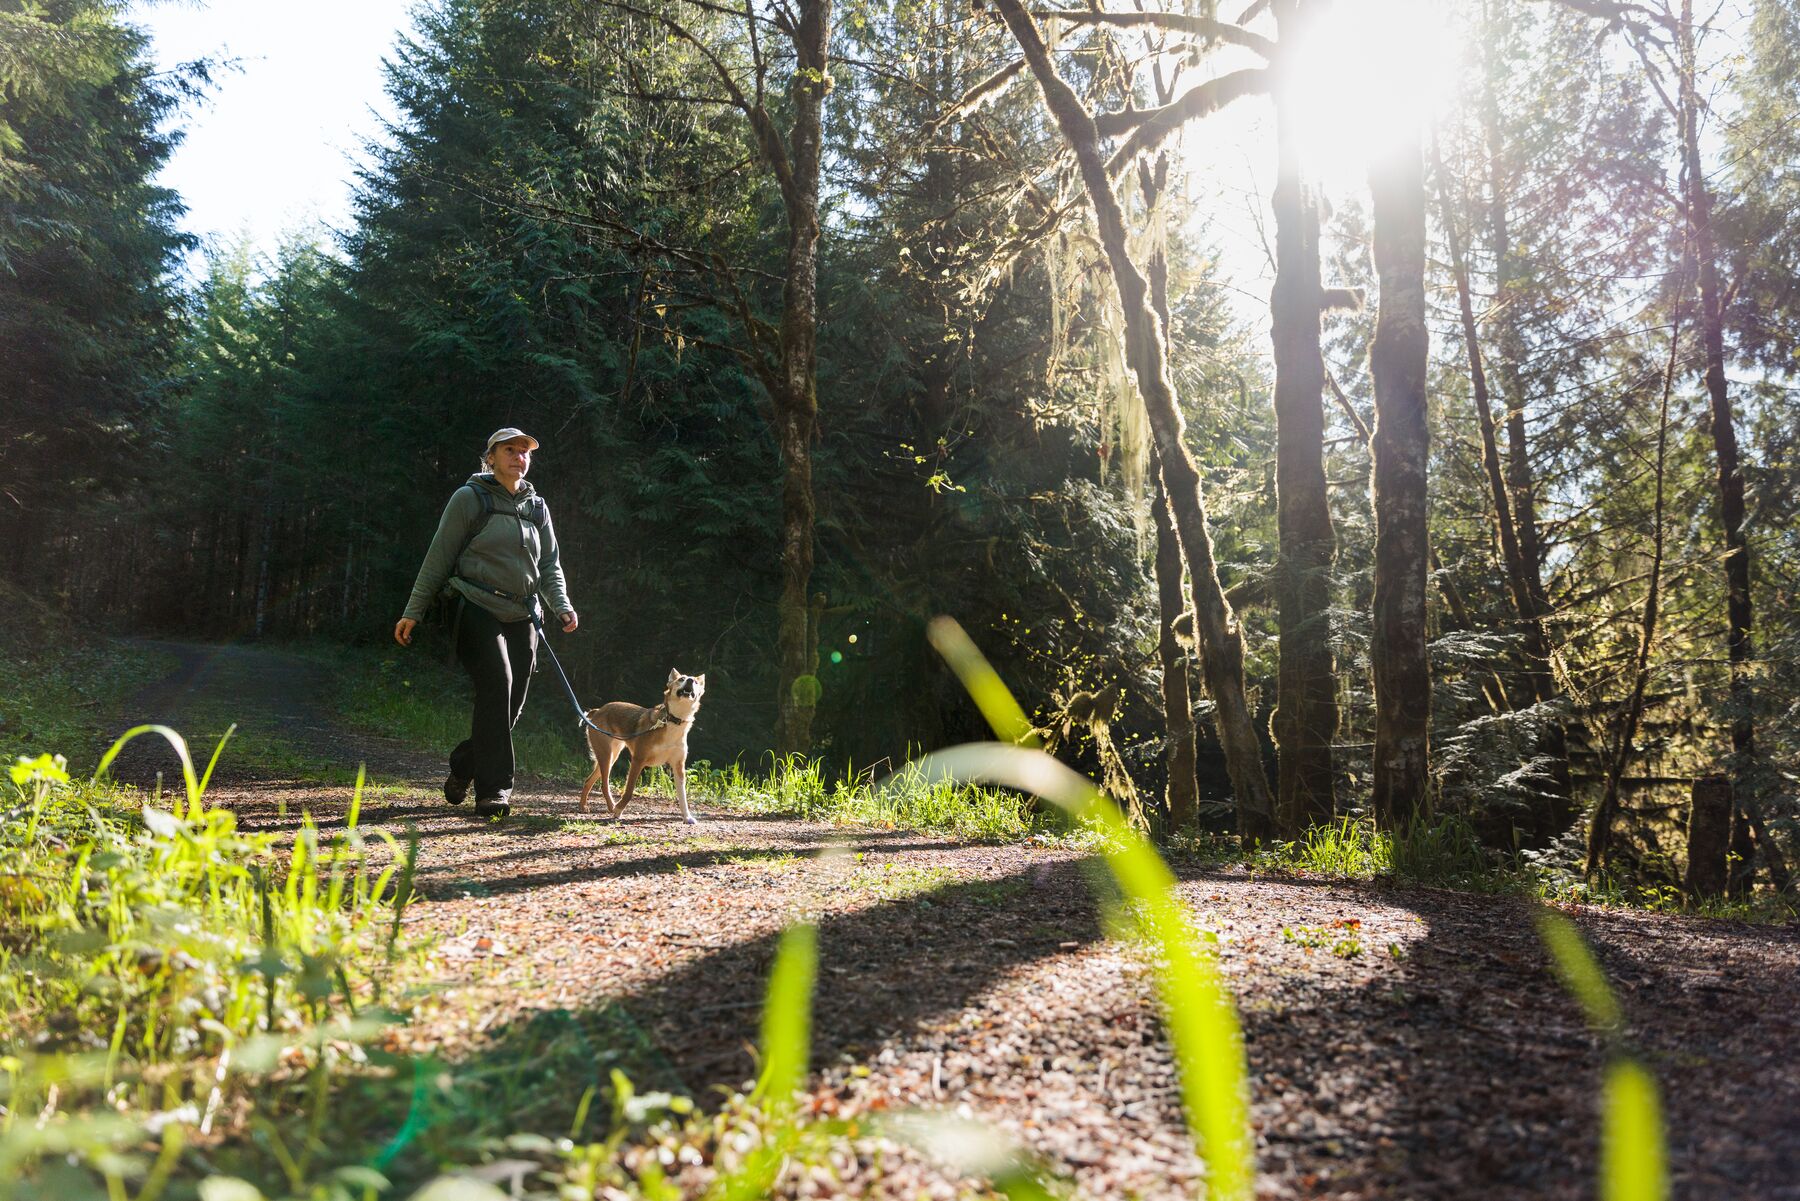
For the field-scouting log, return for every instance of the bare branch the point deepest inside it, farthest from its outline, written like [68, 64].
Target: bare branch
[1619, 13]
[1152, 126]
[976, 96]
[1202, 27]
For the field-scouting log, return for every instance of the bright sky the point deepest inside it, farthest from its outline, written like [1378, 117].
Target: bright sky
[274, 149]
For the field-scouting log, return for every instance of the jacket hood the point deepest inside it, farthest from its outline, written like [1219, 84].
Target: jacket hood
[485, 479]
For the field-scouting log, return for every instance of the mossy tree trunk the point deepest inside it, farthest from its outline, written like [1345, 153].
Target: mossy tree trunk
[1400, 450]
[1306, 714]
[1180, 746]
[1146, 353]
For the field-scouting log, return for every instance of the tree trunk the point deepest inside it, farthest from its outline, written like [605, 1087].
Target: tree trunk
[1180, 750]
[796, 397]
[1709, 833]
[1400, 451]
[1729, 470]
[1730, 474]
[1306, 715]
[265, 549]
[1221, 641]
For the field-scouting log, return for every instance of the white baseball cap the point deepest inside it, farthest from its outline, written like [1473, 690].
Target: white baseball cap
[509, 434]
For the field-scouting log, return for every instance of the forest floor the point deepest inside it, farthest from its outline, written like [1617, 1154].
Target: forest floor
[1403, 1042]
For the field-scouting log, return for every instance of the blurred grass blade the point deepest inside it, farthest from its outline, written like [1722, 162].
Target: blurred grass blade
[181, 752]
[787, 1017]
[1633, 1152]
[1203, 1026]
[977, 1150]
[356, 798]
[1633, 1160]
[984, 684]
[217, 751]
[1579, 973]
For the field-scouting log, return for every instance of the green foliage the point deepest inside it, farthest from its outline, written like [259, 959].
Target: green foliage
[908, 799]
[1442, 852]
[157, 962]
[87, 311]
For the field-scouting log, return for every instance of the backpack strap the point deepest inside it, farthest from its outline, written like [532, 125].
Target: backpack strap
[538, 515]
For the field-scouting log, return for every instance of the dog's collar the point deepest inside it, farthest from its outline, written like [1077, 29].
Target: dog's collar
[669, 718]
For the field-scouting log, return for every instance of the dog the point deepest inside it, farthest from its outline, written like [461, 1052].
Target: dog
[654, 737]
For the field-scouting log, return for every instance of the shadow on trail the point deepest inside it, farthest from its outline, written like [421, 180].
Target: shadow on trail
[694, 857]
[1453, 1066]
[881, 968]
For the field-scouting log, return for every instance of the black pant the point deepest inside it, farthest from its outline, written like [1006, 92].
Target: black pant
[498, 655]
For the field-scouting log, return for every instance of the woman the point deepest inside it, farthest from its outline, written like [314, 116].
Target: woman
[496, 551]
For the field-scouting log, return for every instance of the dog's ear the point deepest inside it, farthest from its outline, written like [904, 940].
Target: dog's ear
[700, 681]
[674, 675]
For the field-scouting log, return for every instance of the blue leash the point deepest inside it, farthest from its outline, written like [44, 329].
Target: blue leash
[544, 641]
[537, 619]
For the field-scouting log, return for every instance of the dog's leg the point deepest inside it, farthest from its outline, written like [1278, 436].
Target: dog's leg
[587, 785]
[679, 767]
[611, 757]
[631, 779]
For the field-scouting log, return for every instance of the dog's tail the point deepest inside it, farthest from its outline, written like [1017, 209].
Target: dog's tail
[587, 744]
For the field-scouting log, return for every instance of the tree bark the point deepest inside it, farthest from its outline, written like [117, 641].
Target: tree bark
[1180, 748]
[1221, 641]
[795, 397]
[1709, 833]
[1729, 471]
[1306, 716]
[1400, 451]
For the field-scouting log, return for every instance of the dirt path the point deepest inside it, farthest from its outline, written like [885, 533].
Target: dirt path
[1439, 1061]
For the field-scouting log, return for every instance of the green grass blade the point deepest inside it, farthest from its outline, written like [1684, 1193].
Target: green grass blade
[787, 1017]
[1633, 1151]
[356, 798]
[1633, 1160]
[1580, 973]
[214, 761]
[181, 752]
[984, 684]
[1203, 1025]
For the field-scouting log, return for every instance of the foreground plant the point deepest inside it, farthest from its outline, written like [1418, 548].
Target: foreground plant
[155, 962]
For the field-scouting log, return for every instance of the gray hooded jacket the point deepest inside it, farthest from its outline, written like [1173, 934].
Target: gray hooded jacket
[507, 554]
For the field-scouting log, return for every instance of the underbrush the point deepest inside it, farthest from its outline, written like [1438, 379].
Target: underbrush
[160, 970]
[1446, 853]
[908, 800]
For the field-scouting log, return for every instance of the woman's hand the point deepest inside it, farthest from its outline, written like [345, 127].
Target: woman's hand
[570, 621]
[403, 631]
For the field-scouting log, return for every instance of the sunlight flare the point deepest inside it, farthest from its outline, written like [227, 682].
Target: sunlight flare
[1368, 72]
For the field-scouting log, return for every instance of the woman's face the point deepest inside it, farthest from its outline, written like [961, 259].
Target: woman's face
[512, 460]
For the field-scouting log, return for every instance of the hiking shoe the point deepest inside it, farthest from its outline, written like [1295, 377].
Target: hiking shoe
[493, 806]
[456, 789]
